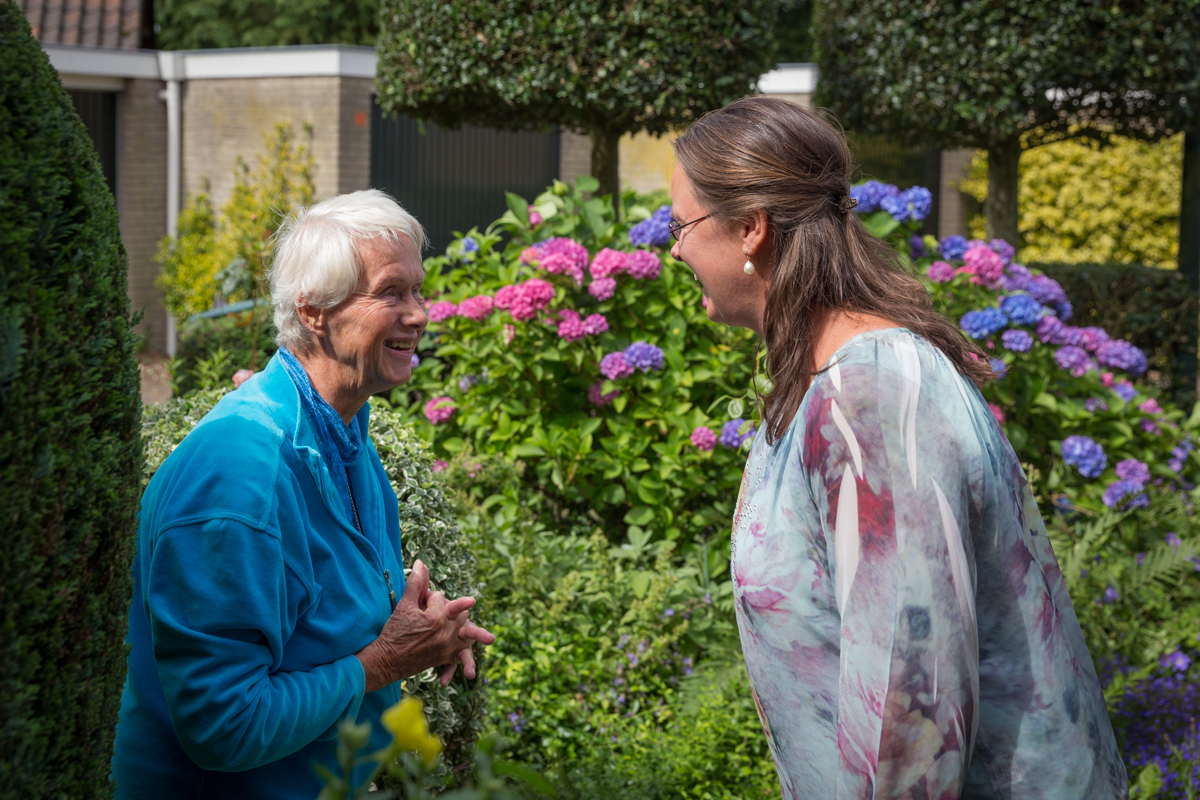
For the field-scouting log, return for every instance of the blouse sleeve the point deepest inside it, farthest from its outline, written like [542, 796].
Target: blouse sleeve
[218, 604]
[894, 476]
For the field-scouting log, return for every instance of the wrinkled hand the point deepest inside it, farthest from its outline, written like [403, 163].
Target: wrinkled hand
[424, 631]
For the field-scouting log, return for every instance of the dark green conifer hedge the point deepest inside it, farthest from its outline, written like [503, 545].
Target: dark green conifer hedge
[70, 453]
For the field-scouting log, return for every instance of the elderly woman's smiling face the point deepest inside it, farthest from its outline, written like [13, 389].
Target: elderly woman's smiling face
[372, 334]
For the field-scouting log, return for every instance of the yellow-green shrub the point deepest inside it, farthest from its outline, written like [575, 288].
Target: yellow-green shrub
[226, 256]
[1083, 203]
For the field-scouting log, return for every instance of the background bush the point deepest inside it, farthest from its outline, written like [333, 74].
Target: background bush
[70, 455]
[1081, 202]
[429, 532]
[211, 350]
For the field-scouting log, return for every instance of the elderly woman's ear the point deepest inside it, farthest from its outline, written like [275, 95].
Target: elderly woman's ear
[315, 320]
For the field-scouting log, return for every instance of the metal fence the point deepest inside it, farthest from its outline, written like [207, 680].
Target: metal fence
[452, 180]
[98, 110]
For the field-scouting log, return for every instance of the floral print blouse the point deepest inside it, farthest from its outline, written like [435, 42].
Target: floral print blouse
[905, 625]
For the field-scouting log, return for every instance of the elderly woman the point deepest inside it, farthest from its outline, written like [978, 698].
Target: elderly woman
[904, 622]
[269, 595]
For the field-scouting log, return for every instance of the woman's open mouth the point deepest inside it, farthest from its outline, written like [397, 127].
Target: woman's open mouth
[401, 347]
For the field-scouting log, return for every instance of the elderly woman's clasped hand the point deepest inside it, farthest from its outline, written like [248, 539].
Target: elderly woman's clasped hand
[425, 630]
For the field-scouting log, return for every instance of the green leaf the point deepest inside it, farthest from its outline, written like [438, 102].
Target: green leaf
[640, 583]
[519, 208]
[526, 450]
[736, 408]
[639, 515]
[613, 494]
[453, 445]
[586, 183]
[533, 780]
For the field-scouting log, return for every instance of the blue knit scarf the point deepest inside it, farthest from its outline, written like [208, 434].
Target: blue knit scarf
[338, 442]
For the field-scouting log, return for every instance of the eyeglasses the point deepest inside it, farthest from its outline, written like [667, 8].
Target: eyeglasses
[676, 228]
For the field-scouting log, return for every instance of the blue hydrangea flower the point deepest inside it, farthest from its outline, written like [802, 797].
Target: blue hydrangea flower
[469, 245]
[917, 245]
[999, 368]
[1125, 391]
[1074, 360]
[1094, 404]
[730, 436]
[654, 231]
[912, 204]
[870, 194]
[1124, 495]
[1085, 454]
[1003, 249]
[1064, 310]
[1111, 595]
[644, 356]
[1021, 309]
[1015, 277]
[1017, 341]
[984, 322]
[1178, 661]
[953, 246]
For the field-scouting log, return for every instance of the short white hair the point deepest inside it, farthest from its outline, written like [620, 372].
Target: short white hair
[316, 260]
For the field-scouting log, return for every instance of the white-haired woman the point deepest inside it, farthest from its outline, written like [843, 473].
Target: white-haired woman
[269, 594]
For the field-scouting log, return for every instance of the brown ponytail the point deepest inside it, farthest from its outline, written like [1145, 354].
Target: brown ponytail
[770, 154]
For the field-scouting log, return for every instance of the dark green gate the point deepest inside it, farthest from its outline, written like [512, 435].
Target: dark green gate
[452, 180]
[902, 165]
[98, 110]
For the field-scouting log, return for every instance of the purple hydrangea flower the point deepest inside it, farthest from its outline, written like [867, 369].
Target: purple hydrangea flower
[1178, 661]
[1094, 337]
[644, 356]
[614, 367]
[469, 245]
[917, 246]
[1085, 454]
[1017, 340]
[999, 368]
[1021, 309]
[984, 322]
[653, 231]
[953, 246]
[1124, 495]
[1125, 390]
[730, 436]
[1074, 359]
[1120, 354]
[1005, 250]
[1173, 540]
[1130, 469]
[870, 194]
[1064, 310]
[1111, 595]
[466, 382]
[1093, 404]
[1015, 277]
[940, 272]
[1045, 290]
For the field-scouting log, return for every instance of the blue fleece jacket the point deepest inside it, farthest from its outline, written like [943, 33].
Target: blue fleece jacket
[252, 593]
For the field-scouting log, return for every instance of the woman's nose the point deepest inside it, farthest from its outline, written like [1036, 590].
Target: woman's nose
[675, 251]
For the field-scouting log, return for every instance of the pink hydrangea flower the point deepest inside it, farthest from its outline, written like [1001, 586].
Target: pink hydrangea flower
[241, 376]
[602, 288]
[704, 439]
[1107, 379]
[609, 262]
[442, 310]
[595, 324]
[570, 327]
[997, 412]
[614, 367]
[475, 308]
[530, 255]
[1150, 407]
[598, 399]
[505, 296]
[986, 265]
[940, 272]
[562, 264]
[439, 409]
[530, 297]
[534, 217]
[440, 465]
[575, 253]
[643, 265]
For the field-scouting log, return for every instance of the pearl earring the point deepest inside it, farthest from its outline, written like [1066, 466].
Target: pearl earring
[749, 268]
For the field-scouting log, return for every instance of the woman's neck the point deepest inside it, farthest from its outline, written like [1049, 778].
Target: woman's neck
[331, 380]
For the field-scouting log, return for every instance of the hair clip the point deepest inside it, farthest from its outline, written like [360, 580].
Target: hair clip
[847, 203]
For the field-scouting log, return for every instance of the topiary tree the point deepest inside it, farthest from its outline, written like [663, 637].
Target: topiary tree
[604, 69]
[1003, 76]
[70, 454]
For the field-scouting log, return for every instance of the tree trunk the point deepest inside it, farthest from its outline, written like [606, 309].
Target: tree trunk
[1189, 229]
[606, 162]
[1000, 208]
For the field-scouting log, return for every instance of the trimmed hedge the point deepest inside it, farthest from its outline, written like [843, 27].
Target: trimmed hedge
[70, 454]
[1153, 308]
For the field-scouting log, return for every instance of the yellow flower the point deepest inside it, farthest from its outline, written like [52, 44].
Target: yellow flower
[406, 721]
